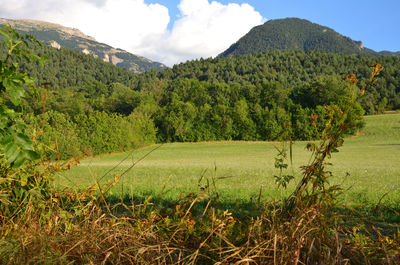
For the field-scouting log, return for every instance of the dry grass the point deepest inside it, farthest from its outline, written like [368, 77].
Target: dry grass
[138, 234]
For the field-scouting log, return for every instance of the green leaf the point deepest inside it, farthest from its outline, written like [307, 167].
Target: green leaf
[7, 140]
[31, 155]
[16, 93]
[5, 35]
[18, 161]
[10, 148]
[29, 80]
[24, 141]
[12, 155]
[20, 125]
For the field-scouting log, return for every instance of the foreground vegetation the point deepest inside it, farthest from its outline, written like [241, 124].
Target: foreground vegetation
[41, 225]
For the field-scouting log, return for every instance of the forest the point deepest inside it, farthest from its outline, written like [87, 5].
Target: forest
[264, 96]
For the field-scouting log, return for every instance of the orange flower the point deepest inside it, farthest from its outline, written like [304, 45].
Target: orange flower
[352, 78]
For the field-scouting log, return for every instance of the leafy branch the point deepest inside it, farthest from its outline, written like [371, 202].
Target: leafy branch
[16, 147]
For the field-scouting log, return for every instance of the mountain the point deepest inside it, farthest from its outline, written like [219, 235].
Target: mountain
[59, 36]
[390, 53]
[296, 34]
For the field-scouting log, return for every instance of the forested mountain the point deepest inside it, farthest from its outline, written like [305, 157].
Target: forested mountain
[59, 36]
[65, 69]
[296, 34]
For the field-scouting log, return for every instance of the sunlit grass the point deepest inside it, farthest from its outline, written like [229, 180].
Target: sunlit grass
[368, 165]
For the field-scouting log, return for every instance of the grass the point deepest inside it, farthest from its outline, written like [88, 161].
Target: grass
[368, 165]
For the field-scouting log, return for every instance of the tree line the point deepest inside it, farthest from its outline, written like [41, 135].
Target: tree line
[92, 106]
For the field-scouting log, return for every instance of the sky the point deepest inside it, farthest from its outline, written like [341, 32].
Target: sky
[174, 31]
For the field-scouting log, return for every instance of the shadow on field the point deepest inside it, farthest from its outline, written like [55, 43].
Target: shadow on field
[166, 206]
[383, 216]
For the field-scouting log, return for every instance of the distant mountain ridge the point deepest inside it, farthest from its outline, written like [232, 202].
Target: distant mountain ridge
[59, 36]
[390, 53]
[297, 34]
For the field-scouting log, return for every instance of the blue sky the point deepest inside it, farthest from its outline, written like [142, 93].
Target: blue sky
[173, 31]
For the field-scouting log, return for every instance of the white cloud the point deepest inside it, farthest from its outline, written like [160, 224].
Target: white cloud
[207, 29]
[120, 23]
[203, 28]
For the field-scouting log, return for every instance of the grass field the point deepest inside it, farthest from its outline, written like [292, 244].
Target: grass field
[368, 165]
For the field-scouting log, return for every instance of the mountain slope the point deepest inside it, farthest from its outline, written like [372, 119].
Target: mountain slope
[389, 53]
[295, 34]
[59, 36]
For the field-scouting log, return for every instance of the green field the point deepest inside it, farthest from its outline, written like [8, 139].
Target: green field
[241, 169]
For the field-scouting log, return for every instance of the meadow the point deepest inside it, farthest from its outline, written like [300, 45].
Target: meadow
[366, 166]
